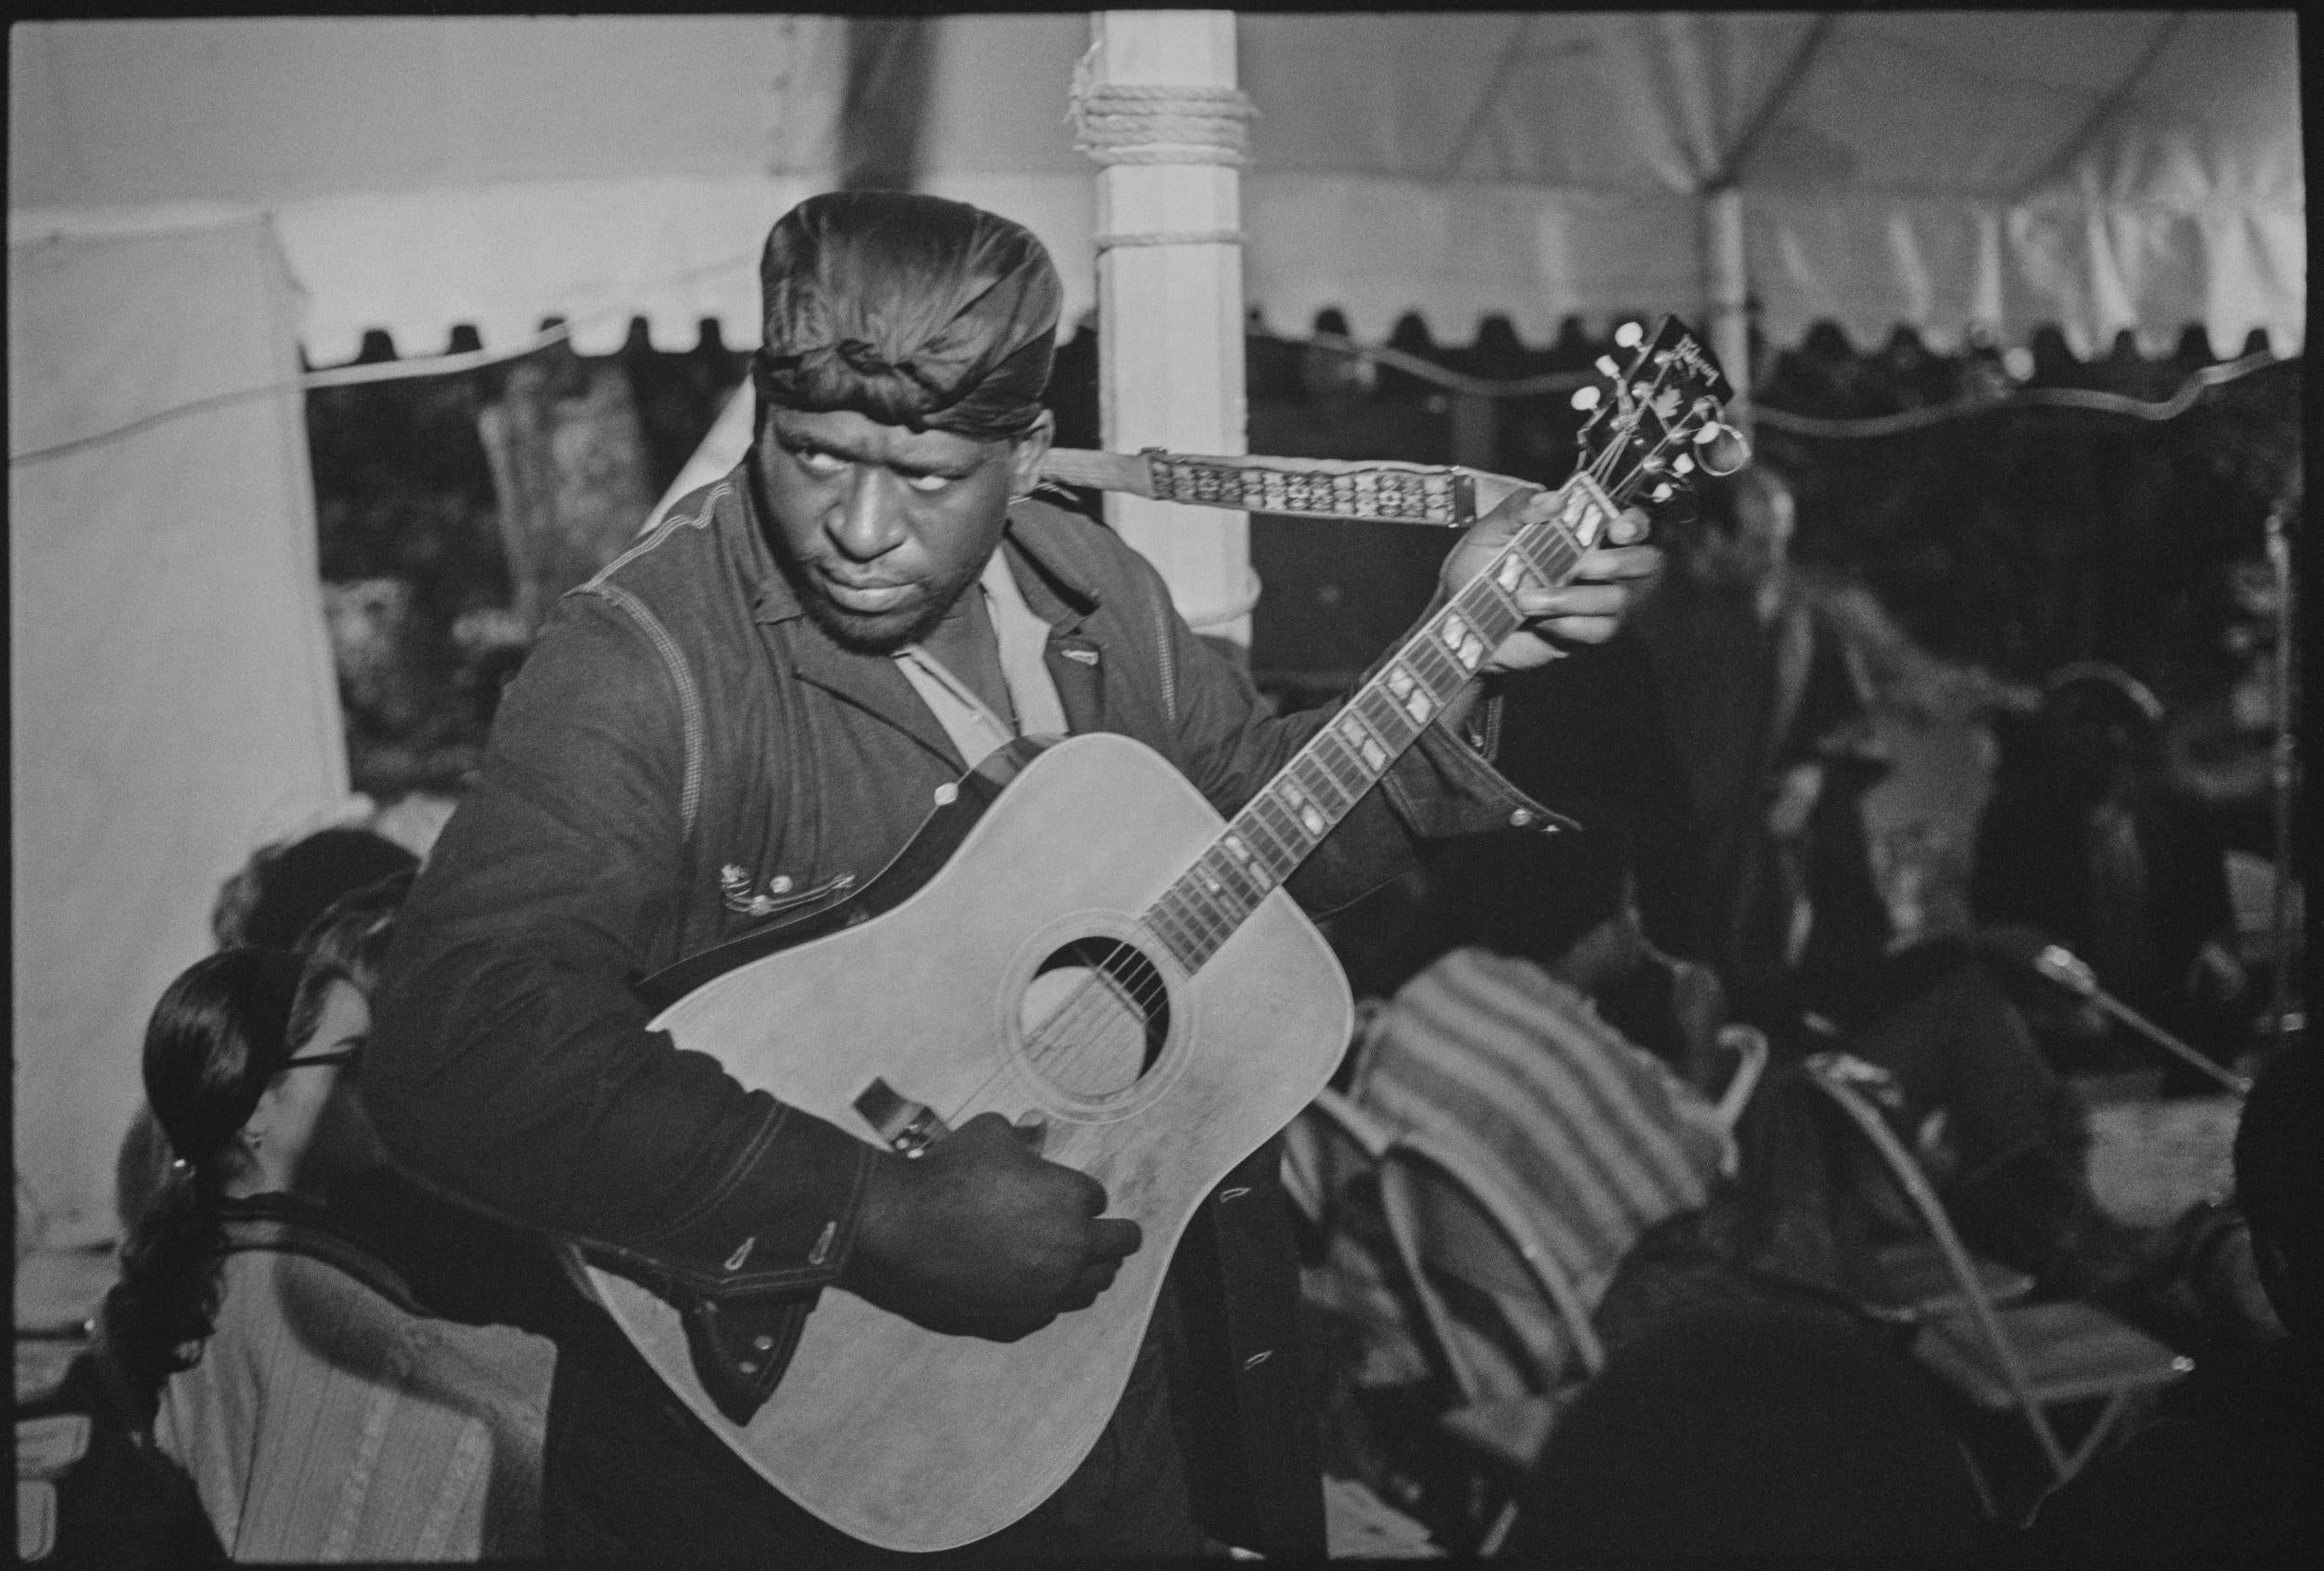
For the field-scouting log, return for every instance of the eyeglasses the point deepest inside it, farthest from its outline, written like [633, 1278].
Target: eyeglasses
[320, 1061]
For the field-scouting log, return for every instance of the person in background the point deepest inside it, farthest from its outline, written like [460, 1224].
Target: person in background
[1746, 1435]
[1767, 677]
[280, 891]
[1566, 906]
[267, 902]
[1594, 733]
[322, 1414]
[1771, 719]
[2225, 1472]
[2087, 844]
[2219, 749]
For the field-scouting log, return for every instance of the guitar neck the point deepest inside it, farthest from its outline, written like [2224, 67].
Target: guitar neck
[1275, 831]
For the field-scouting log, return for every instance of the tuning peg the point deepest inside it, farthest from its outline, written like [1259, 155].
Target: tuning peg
[1629, 336]
[1682, 465]
[1587, 399]
[1662, 493]
[1723, 450]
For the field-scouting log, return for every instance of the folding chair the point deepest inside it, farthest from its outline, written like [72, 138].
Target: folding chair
[1454, 1231]
[1458, 1231]
[2026, 1358]
[1447, 1218]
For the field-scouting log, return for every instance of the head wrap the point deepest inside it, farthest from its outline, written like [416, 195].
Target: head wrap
[911, 309]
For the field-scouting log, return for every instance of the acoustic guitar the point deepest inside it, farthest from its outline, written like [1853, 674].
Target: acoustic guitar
[1079, 936]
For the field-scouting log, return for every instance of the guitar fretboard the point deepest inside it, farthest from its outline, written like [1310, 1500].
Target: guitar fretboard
[1276, 830]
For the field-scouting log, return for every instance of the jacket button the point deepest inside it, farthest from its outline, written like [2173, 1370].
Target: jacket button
[1522, 817]
[749, 1366]
[1256, 1359]
[764, 1344]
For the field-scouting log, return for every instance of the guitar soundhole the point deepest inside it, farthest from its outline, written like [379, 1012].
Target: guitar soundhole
[1095, 1017]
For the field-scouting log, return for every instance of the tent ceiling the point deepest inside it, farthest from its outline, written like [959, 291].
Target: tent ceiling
[277, 111]
[2100, 169]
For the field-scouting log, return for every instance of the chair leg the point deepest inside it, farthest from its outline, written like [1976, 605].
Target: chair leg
[2099, 1428]
[1987, 1501]
[2038, 1420]
[1491, 1543]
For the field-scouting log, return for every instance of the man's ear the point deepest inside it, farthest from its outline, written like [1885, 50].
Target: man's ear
[1025, 457]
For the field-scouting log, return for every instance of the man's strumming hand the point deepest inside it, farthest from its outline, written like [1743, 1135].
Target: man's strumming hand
[981, 1237]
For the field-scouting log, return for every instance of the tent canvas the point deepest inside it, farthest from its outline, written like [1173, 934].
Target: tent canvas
[171, 688]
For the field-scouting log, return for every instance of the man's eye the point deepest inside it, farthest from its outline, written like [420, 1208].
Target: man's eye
[818, 463]
[928, 483]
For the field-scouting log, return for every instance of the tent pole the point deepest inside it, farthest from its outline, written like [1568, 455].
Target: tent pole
[1728, 296]
[1159, 111]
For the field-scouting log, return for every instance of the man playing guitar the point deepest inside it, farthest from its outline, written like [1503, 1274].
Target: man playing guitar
[744, 719]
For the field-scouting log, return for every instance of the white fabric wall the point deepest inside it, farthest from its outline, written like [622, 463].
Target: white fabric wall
[172, 695]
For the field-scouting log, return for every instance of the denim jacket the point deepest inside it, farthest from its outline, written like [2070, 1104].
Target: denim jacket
[685, 757]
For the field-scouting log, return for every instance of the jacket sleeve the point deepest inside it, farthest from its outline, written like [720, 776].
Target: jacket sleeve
[1230, 746]
[512, 1064]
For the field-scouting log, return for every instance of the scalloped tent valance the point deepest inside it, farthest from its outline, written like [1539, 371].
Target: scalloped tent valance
[2101, 170]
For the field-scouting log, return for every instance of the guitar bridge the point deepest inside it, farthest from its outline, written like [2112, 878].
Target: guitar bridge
[908, 1127]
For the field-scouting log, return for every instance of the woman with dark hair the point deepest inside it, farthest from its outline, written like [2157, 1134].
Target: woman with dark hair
[287, 889]
[322, 1414]
[285, 886]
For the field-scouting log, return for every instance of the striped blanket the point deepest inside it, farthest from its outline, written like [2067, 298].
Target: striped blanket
[1591, 1136]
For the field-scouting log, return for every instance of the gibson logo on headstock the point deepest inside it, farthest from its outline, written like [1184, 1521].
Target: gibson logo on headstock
[1688, 356]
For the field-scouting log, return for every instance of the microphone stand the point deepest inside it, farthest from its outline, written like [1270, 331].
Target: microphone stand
[2069, 971]
[2282, 772]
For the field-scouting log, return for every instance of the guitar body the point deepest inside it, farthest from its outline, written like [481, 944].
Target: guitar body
[1017, 979]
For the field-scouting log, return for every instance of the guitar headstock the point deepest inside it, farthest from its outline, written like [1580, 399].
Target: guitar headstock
[1661, 420]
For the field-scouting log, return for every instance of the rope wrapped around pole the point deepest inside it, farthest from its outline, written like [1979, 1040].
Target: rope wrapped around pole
[1154, 123]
